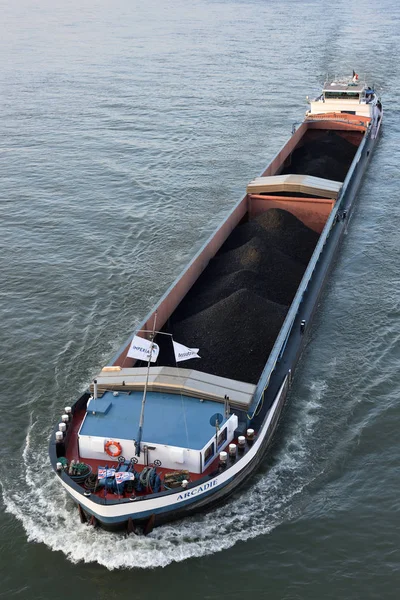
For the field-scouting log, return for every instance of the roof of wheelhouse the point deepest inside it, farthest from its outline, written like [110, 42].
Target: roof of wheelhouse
[344, 86]
[170, 419]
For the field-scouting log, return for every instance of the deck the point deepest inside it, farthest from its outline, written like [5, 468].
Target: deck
[72, 453]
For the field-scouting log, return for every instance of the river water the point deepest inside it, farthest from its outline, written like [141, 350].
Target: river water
[127, 131]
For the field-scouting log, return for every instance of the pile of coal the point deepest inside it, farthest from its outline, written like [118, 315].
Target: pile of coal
[254, 266]
[235, 336]
[288, 234]
[329, 156]
[243, 234]
[235, 310]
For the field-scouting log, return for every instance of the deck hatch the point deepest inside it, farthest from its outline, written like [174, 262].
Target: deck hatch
[305, 184]
[100, 406]
[188, 382]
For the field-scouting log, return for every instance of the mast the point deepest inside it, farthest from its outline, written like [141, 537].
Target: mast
[141, 420]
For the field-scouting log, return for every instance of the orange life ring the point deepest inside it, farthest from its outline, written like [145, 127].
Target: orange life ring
[117, 446]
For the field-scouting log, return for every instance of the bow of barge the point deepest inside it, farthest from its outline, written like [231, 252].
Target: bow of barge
[187, 408]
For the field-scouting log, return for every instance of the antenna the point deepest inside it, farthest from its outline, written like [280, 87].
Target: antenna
[141, 420]
[215, 421]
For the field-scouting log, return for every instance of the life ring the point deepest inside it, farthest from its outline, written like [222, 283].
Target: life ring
[113, 448]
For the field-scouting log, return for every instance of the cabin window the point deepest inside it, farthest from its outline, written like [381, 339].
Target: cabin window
[342, 95]
[223, 436]
[209, 453]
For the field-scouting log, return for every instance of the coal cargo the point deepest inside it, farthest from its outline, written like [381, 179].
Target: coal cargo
[243, 234]
[267, 255]
[279, 229]
[242, 297]
[328, 156]
[254, 266]
[288, 234]
[235, 335]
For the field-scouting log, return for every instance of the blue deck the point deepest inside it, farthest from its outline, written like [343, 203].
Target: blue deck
[164, 420]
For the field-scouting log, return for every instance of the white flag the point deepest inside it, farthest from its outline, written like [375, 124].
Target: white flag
[183, 353]
[140, 348]
[121, 476]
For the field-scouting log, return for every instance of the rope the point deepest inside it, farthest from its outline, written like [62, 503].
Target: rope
[146, 476]
[91, 482]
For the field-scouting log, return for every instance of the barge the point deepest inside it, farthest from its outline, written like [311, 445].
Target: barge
[185, 411]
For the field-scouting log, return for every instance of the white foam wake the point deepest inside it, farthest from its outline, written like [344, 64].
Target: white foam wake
[49, 516]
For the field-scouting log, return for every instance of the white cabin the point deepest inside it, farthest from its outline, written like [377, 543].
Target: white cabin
[345, 96]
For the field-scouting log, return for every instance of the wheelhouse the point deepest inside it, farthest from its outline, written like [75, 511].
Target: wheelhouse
[348, 96]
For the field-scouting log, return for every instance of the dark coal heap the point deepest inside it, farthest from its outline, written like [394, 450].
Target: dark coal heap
[278, 230]
[328, 156]
[235, 335]
[288, 234]
[245, 267]
[235, 310]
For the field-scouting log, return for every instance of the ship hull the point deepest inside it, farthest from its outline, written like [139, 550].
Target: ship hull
[273, 385]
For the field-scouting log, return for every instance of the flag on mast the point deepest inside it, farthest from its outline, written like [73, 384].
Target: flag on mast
[355, 76]
[184, 353]
[140, 348]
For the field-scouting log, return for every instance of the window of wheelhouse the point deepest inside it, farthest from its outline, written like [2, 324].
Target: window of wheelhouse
[209, 453]
[342, 95]
[222, 437]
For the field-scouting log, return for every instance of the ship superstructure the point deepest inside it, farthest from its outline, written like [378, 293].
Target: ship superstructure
[345, 96]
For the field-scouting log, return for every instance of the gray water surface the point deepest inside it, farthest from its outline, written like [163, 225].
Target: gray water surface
[127, 131]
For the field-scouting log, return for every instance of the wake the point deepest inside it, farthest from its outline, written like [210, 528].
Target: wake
[50, 517]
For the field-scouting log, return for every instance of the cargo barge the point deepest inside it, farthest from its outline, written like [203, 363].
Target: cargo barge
[185, 411]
